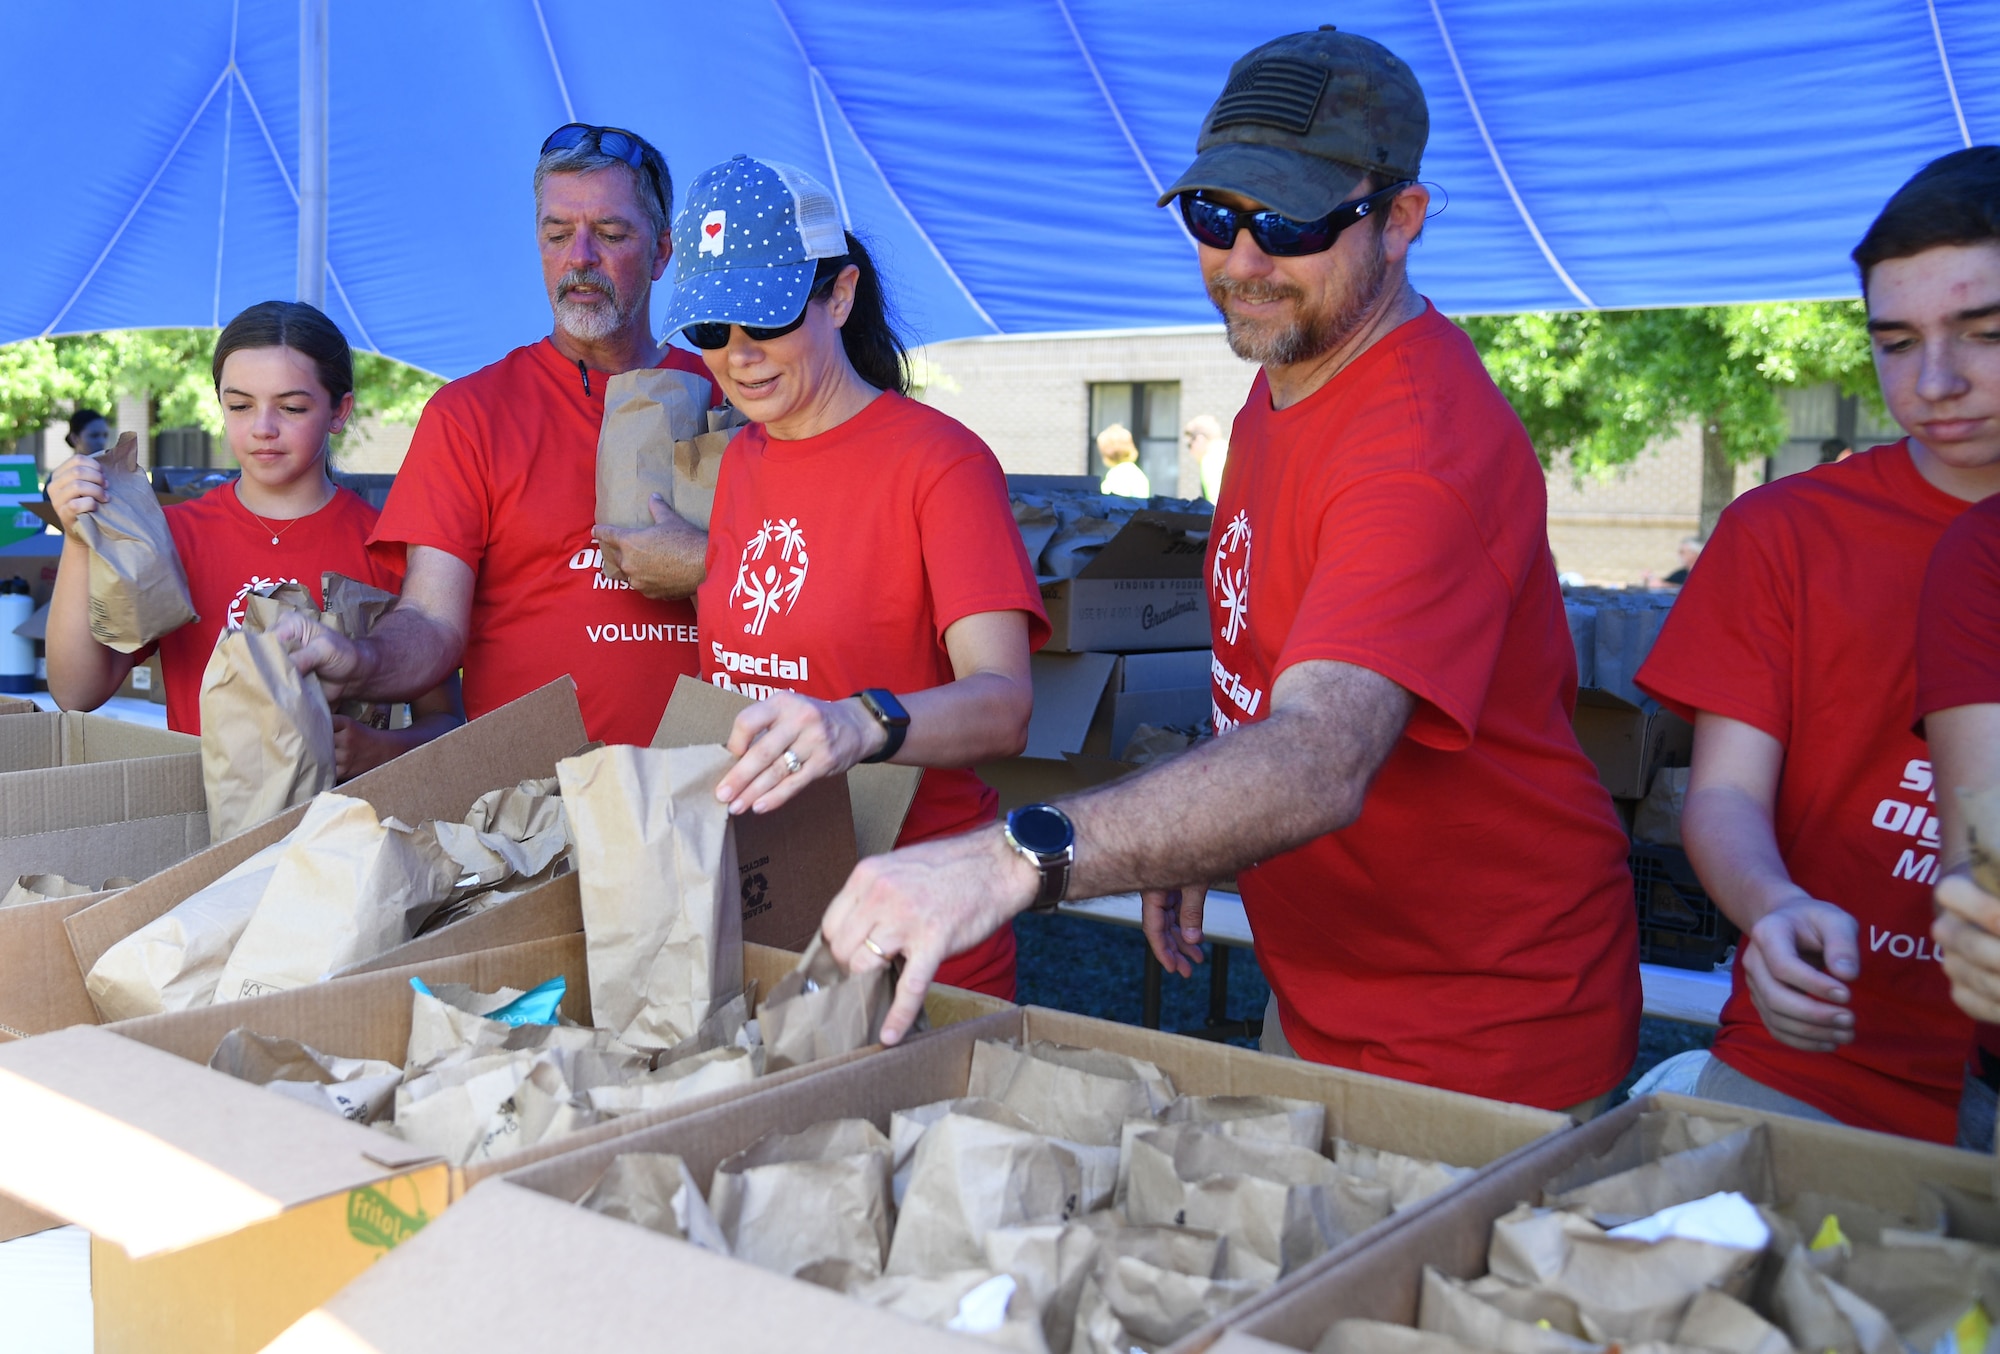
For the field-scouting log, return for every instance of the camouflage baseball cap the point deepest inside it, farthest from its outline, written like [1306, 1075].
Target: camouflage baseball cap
[1306, 115]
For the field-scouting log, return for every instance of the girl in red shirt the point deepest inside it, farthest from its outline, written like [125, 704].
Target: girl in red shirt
[285, 377]
[860, 542]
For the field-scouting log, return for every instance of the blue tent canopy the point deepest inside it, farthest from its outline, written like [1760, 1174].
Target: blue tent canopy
[1003, 154]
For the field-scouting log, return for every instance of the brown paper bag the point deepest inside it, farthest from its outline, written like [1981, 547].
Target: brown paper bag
[172, 963]
[1719, 1322]
[656, 860]
[138, 590]
[1924, 1286]
[645, 413]
[36, 888]
[509, 834]
[1302, 1123]
[970, 1175]
[1982, 829]
[1823, 1316]
[1450, 1308]
[1085, 1095]
[817, 1011]
[703, 1074]
[266, 734]
[791, 1201]
[970, 1301]
[351, 606]
[1130, 1302]
[348, 886]
[361, 1089]
[1411, 1180]
[697, 466]
[482, 1107]
[1531, 1306]
[654, 1189]
[1353, 1336]
[1051, 1261]
[1738, 1162]
[908, 1126]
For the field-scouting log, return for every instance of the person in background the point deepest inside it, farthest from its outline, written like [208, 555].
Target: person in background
[1810, 814]
[1834, 450]
[285, 378]
[1689, 551]
[1204, 438]
[1118, 451]
[89, 433]
[496, 502]
[865, 580]
[1434, 875]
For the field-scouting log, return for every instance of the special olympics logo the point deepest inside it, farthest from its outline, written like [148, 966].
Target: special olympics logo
[1230, 578]
[766, 585]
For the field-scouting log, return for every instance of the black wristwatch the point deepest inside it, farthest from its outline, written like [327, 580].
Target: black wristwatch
[890, 714]
[1044, 834]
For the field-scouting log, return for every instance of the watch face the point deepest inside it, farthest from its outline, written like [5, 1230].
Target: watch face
[885, 706]
[1041, 829]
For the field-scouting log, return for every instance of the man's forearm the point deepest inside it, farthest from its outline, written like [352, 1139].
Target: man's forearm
[408, 654]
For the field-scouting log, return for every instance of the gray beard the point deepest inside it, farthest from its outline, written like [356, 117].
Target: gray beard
[593, 324]
[1315, 332]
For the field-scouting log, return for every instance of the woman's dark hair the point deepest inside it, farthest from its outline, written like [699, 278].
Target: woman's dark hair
[874, 348]
[294, 325]
[80, 420]
[1953, 200]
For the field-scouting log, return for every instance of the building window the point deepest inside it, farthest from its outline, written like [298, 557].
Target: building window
[1151, 412]
[183, 446]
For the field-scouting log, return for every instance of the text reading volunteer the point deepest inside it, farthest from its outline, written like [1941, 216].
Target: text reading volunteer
[284, 376]
[497, 500]
[1811, 804]
[865, 578]
[1434, 876]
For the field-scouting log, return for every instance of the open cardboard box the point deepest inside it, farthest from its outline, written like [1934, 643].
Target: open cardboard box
[620, 1276]
[1382, 1281]
[1628, 742]
[220, 1212]
[65, 769]
[1143, 591]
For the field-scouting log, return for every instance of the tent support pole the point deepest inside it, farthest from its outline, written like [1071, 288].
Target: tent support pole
[312, 152]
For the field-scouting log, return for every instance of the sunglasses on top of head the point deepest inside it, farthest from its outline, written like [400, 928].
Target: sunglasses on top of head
[711, 335]
[616, 142]
[1215, 224]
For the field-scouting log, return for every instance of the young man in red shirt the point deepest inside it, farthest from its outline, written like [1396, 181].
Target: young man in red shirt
[1434, 874]
[496, 502]
[1811, 813]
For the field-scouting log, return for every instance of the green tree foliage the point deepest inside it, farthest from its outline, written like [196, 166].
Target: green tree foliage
[1596, 387]
[43, 379]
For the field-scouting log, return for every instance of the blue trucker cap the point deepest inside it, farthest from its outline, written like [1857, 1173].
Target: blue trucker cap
[746, 244]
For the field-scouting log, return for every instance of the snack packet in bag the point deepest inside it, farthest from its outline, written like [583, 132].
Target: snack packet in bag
[266, 733]
[138, 590]
[348, 886]
[656, 863]
[645, 413]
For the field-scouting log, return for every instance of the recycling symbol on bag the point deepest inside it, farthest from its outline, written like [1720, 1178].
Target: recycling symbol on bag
[755, 890]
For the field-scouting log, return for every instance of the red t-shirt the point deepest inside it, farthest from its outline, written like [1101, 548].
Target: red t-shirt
[1799, 621]
[502, 473]
[837, 562]
[226, 552]
[1473, 929]
[1958, 621]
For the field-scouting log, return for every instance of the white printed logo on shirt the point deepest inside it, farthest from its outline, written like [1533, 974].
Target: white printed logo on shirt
[1229, 580]
[768, 580]
[233, 618]
[713, 226]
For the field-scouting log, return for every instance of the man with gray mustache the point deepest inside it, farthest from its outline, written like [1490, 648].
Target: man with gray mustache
[508, 573]
[1435, 878]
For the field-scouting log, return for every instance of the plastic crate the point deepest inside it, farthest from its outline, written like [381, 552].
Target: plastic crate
[1678, 925]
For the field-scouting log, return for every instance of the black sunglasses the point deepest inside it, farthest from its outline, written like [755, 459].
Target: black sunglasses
[1215, 225]
[616, 142]
[711, 335]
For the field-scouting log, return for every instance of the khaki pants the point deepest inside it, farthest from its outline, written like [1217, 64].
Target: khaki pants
[1273, 1041]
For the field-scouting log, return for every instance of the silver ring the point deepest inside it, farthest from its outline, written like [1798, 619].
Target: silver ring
[792, 763]
[869, 941]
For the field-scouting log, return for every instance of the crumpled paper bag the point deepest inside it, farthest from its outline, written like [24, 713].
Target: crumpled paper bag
[1410, 1180]
[1356, 1336]
[970, 1175]
[818, 1011]
[1073, 547]
[347, 887]
[656, 859]
[908, 1126]
[1824, 1316]
[266, 733]
[1466, 1313]
[969, 1301]
[1982, 828]
[482, 1107]
[819, 1197]
[1129, 1302]
[698, 465]
[645, 413]
[1085, 1095]
[704, 1073]
[1271, 1118]
[360, 1089]
[509, 834]
[1667, 1173]
[138, 590]
[172, 963]
[1051, 1261]
[1279, 1205]
[37, 888]
[654, 1190]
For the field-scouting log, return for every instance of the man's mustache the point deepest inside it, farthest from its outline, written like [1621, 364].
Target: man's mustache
[1223, 288]
[586, 277]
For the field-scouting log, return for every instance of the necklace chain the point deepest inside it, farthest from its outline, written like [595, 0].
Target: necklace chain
[276, 532]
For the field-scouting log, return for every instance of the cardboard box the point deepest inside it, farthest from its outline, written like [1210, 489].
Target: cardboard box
[503, 1299]
[1629, 742]
[793, 861]
[438, 780]
[1144, 590]
[66, 770]
[35, 559]
[220, 1212]
[145, 682]
[1382, 1281]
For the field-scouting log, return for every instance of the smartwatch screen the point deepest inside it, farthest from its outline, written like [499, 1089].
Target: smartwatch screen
[1041, 829]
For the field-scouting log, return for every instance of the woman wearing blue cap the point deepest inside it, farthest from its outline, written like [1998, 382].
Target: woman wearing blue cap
[865, 579]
